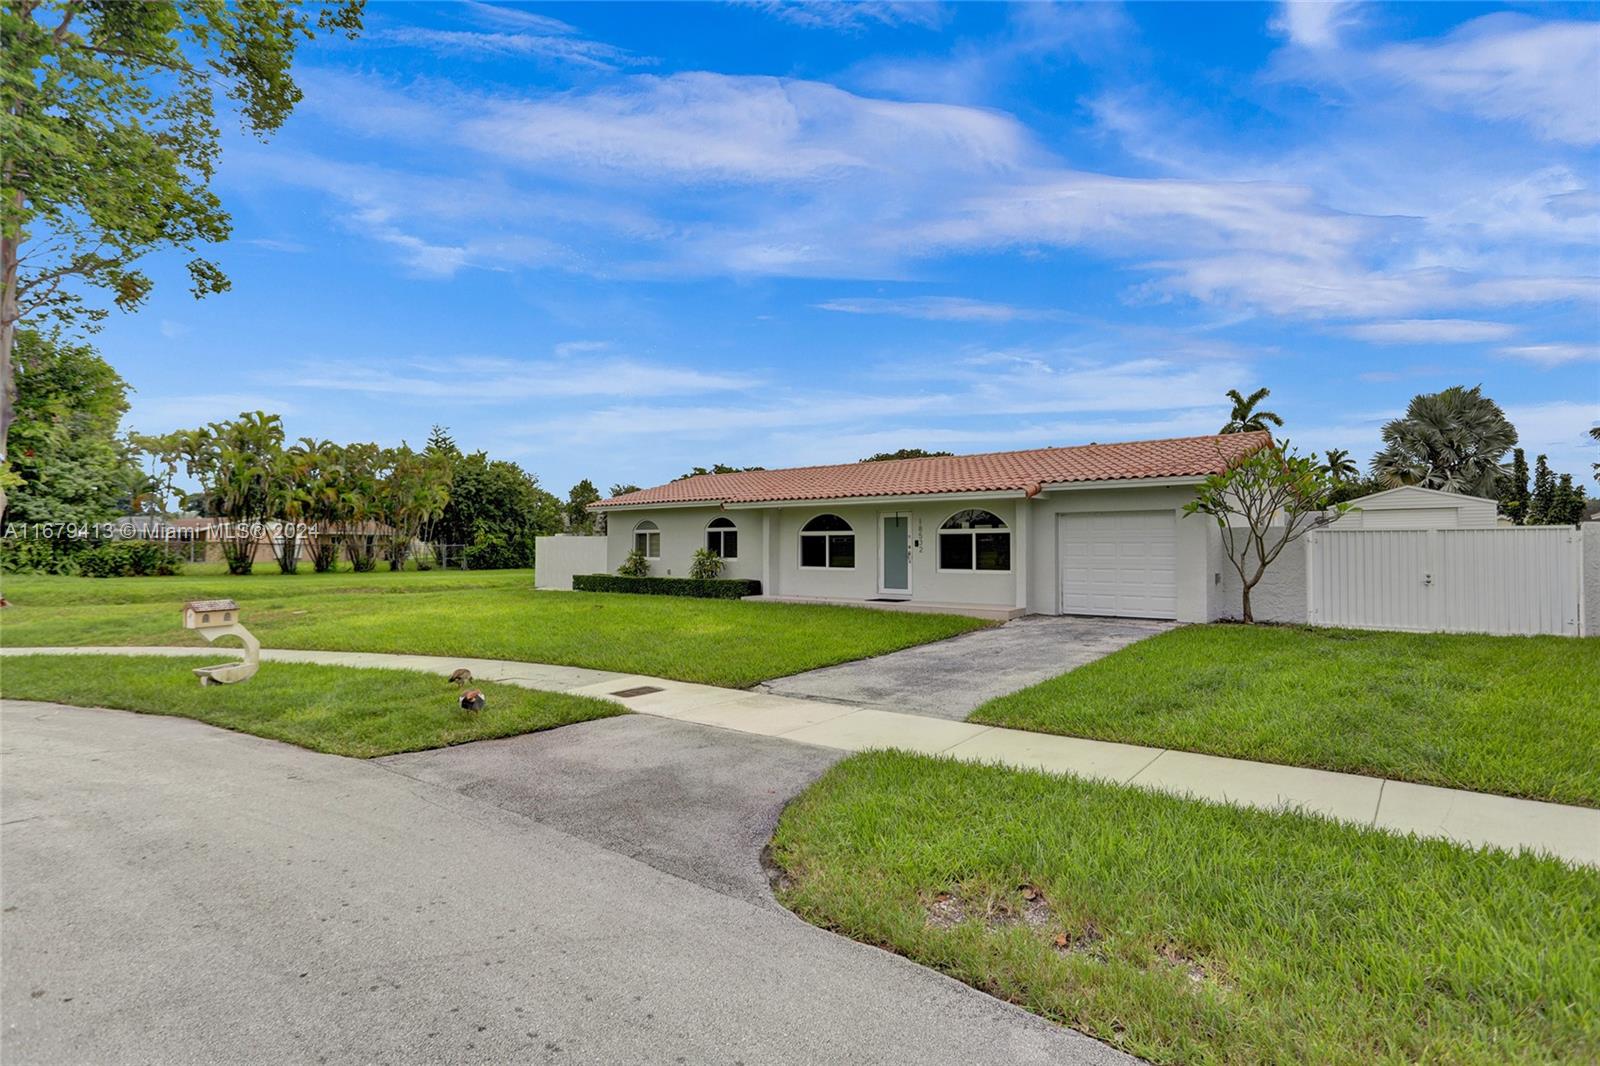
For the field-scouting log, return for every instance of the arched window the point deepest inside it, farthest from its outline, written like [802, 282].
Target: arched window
[974, 540]
[722, 538]
[647, 539]
[827, 543]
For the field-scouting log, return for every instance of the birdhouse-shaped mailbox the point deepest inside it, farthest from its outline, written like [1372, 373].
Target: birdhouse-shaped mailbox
[209, 614]
[213, 619]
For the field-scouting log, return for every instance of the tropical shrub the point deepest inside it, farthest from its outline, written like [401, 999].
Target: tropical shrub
[707, 565]
[635, 565]
[128, 558]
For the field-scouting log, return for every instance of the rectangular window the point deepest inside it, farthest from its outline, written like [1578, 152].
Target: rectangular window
[813, 551]
[649, 543]
[994, 551]
[723, 543]
[841, 550]
[974, 551]
[955, 551]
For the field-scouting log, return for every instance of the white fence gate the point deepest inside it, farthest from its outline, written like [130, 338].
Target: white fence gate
[1518, 580]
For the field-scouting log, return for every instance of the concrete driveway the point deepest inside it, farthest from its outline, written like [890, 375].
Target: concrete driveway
[178, 893]
[951, 678]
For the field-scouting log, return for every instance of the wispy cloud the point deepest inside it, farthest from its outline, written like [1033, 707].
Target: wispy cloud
[532, 44]
[162, 414]
[1553, 354]
[1315, 24]
[1510, 67]
[935, 309]
[578, 370]
[1431, 331]
[856, 14]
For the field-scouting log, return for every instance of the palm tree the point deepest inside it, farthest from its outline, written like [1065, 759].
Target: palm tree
[1340, 467]
[1245, 417]
[1451, 440]
[1594, 434]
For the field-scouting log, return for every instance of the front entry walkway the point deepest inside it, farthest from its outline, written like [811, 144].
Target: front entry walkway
[1471, 818]
[952, 678]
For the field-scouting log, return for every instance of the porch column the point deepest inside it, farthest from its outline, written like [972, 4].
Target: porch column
[1019, 551]
[766, 553]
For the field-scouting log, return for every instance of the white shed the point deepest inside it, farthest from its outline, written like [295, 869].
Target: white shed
[1414, 507]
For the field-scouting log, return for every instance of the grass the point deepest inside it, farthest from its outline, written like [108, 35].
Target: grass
[493, 615]
[333, 709]
[1511, 715]
[1187, 932]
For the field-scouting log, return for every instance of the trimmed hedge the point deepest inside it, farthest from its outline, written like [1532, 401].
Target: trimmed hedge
[721, 588]
[129, 558]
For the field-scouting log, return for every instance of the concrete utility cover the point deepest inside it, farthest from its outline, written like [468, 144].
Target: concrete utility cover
[951, 678]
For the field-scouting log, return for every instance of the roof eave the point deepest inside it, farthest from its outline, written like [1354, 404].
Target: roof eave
[1124, 482]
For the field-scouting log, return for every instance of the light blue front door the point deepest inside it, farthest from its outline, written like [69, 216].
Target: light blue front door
[895, 567]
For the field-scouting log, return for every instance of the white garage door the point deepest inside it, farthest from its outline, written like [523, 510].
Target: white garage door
[1120, 563]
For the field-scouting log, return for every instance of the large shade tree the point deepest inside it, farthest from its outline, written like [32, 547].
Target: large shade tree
[67, 462]
[108, 118]
[1453, 440]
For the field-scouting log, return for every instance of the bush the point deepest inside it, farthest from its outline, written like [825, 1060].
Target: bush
[128, 558]
[28, 555]
[635, 565]
[707, 565]
[497, 551]
[704, 588]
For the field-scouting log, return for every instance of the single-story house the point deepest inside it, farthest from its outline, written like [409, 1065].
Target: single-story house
[1097, 529]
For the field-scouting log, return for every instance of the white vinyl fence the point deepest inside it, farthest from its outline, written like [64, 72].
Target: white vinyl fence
[1516, 580]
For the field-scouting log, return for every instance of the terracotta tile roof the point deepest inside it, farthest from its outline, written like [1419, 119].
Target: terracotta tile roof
[990, 472]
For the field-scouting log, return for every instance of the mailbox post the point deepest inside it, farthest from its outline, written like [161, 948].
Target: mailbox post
[220, 618]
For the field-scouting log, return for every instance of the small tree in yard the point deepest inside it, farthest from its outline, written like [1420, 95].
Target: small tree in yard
[635, 565]
[1263, 502]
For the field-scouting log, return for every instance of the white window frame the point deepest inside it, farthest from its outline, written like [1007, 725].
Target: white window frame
[941, 533]
[824, 535]
[649, 531]
[731, 527]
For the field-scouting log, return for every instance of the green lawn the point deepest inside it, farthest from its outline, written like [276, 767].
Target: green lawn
[1513, 715]
[1188, 932]
[334, 709]
[492, 615]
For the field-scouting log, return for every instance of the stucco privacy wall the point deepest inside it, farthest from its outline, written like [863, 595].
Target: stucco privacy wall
[557, 558]
[1280, 596]
[1591, 579]
[1194, 572]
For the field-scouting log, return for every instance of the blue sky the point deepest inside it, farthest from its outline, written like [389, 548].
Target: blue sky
[617, 241]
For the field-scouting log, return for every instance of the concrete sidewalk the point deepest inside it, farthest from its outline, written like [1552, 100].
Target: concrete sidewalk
[1471, 818]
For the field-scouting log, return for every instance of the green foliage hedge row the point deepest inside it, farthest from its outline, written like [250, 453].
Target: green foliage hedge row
[705, 588]
[128, 558]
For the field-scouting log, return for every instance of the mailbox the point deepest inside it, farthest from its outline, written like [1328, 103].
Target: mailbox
[220, 618]
[204, 614]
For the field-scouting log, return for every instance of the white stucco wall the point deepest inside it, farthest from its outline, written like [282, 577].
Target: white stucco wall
[683, 531]
[557, 559]
[928, 583]
[1280, 596]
